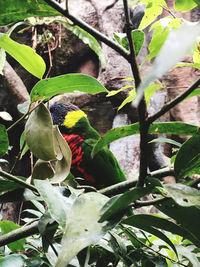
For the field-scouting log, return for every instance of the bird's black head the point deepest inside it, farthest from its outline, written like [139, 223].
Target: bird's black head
[66, 115]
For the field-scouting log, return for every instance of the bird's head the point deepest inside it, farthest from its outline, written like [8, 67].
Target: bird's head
[67, 115]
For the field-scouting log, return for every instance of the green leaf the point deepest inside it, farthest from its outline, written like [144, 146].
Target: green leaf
[165, 140]
[39, 133]
[14, 260]
[42, 170]
[57, 204]
[12, 11]
[4, 142]
[145, 223]
[120, 203]
[188, 158]
[186, 253]
[184, 195]
[184, 5]
[68, 83]
[2, 60]
[6, 185]
[194, 93]
[8, 226]
[161, 30]
[87, 39]
[152, 11]
[138, 40]
[156, 128]
[24, 54]
[186, 217]
[176, 46]
[82, 228]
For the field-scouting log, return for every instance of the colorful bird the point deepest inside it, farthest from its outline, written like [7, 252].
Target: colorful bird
[102, 170]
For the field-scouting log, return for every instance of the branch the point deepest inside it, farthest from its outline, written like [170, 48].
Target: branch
[17, 180]
[142, 109]
[174, 102]
[98, 35]
[123, 186]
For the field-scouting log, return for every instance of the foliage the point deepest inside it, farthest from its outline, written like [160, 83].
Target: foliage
[79, 228]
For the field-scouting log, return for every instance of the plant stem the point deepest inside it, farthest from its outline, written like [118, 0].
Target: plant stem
[90, 30]
[174, 102]
[142, 109]
[17, 180]
[123, 186]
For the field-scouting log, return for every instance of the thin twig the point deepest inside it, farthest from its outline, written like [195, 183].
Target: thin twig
[126, 230]
[174, 102]
[142, 109]
[101, 37]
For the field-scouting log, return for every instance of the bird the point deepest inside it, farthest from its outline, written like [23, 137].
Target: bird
[99, 171]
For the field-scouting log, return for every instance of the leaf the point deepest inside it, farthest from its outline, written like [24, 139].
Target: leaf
[5, 116]
[155, 128]
[24, 54]
[42, 170]
[4, 142]
[82, 229]
[145, 223]
[63, 164]
[12, 11]
[187, 159]
[23, 108]
[196, 92]
[161, 30]
[39, 133]
[121, 202]
[184, 195]
[186, 253]
[6, 185]
[67, 83]
[121, 39]
[138, 37]
[152, 11]
[14, 260]
[184, 216]
[165, 140]
[87, 39]
[177, 44]
[2, 60]
[56, 203]
[8, 226]
[184, 5]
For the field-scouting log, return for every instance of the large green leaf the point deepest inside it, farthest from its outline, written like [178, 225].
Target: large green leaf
[4, 142]
[6, 185]
[120, 203]
[8, 226]
[39, 133]
[186, 217]
[155, 128]
[24, 54]
[68, 83]
[184, 5]
[12, 11]
[187, 160]
[82, 227]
